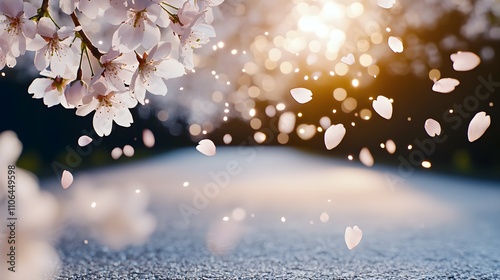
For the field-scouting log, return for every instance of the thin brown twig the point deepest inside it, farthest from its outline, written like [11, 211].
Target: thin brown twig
[95, 52]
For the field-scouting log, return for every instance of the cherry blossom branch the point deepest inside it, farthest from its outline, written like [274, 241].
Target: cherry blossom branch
[95, 52]
[43, 11]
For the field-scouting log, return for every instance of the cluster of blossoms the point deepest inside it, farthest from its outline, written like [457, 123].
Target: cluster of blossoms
[152, 41]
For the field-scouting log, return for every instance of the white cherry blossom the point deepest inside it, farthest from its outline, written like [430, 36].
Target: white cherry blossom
[68, 6]
[69, 41]
[51, 88]
[203, 4]
[117, 69]
[15, 24]
[141, 28]
[89, 8]
[52, 46]
[6, 58]
[193, 31]
[152, 70]
[75, 92]
[109, 106]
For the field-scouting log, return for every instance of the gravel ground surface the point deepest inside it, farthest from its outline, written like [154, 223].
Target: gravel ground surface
[430, 227]
[294, 254]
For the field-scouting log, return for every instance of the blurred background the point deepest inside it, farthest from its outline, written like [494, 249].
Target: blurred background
[243, 78]
[165, 211]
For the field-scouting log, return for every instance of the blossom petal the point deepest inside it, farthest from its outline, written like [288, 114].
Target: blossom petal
[39, 86]
[156, 85]
[29, 29]
[66, 179]
[170, 68]
[123, 117]
[127, 38]
[36, 43]
[41, 61]
[103, 122]
[52, 98]
[46, 28]
[151, 34]
[478, 126]
[383, 106]
[139, 90]
[89, 8]
[87, 108]
[334, 135]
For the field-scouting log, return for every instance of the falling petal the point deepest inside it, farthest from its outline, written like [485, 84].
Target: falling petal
[348, 59]
[324, 217]
[238, 214]
[477, 126]
[395, 44]
[227, 138]
[390, 146]
[148, 138]
[366, 157]
[383, 107]
[432, 127]
[306, 131]
[445, 85]
[334, 135]
[259, 137]
[206, 147]
[84, 140]
[301, 95]
[325, 122]
[286, 122]
[426, 164]
[116, 153]
[353, 237]
[222, 237]
[128, 150]
[66, 179]
[465, 61]
[386, 4]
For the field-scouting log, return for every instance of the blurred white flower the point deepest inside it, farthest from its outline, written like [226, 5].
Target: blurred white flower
[118, 217]
[39, 212]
